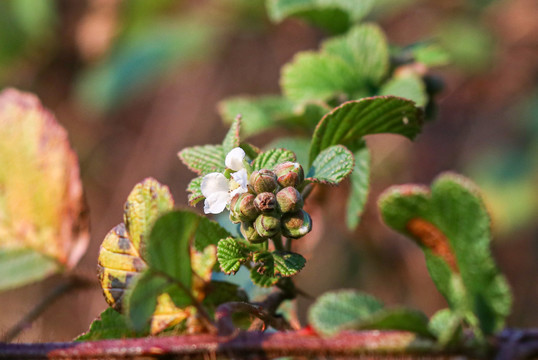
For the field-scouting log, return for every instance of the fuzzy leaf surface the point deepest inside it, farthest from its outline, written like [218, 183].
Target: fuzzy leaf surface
[288, 263]
[232, 139]
[231, 254]
[195, 191]
[452, 227]
[204, 159]
[349, 122]
[298, 145]
[331, 166]
[110, 325]
[337, 310]
[270, 158]
[364, 48]
[259, 278]
[42, 209]
[360, 184]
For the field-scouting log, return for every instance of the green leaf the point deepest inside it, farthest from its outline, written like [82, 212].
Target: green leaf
[395, 319]
[270, 158]
[195, 189]
[22, 266]
[209, 233]
[259, 278]
[452, 226]
[446, 326]
[360, 183]
[204, 159]
[257, 114]
[110, 325]
[298, 145]
[315, 77]
[141, 299]
[364, 48]
[287, 263]
[218, 292]
[335, 311]
[146, 202]
[231, 254]
[232, 139]
[408, 86]
[168, 248]
[349, 122]
[331, 166]
[431, 55]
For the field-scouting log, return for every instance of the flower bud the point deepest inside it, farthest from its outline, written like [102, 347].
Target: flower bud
[265, 202]
[289, 200]
[250, 233]
[296, 225]
[289, 174]
[263, 181]
[267, 225]
[242, 207]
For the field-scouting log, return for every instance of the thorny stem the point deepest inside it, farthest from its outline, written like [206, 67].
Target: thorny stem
[71, 282]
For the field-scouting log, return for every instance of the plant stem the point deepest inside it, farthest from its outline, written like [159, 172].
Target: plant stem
[71, 282]
[277, 240]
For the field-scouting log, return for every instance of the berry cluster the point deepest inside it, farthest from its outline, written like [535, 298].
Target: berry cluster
[273, 205]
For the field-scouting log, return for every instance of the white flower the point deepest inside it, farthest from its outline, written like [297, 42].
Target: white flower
[219, 191]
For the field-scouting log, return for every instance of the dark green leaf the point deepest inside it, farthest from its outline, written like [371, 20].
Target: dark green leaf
[110, 325]
[218, 292]
[209, 233]
[360, 183]
[408, 86]
[195, 190]
[287, 263]
[395, 319]
[349, 122]
[232, 139]
[260, 279]
[168, 248]
[335, 311]
[21, 266]
[364, 48]
[270, 158]
[231, 254]
[452, 226]
[204, 159]
[331, 166]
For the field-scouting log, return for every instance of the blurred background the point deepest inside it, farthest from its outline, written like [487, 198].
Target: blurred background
[136, 81]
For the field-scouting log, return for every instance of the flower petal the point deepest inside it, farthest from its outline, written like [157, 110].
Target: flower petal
[234, 159]
[213, 183]
[216, 202]
[240, 177]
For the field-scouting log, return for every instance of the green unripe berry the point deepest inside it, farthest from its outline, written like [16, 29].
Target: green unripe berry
[263, 181]
[265, 202]
[289, 200]
[267, 225]
[289, 174]
[296, 225]
[250, 233]
[242, 207]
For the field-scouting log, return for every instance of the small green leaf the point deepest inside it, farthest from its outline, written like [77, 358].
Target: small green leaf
[259, 278]
[408, 86]
[270, 158]
[204, 159]
[446, 326]
[110, 325]
[395, 319]
[349, 122]
[331, 166]
[141, 299]
[209, 233]
[287, 263]
[231, 254]
[232, 139]
[298, 145]
[168, 248]
[452, 227]
[314, 77]
[22, 266]
[335, 311]
[431, 55]
[195, 189]
[365, 49]
[360, 183]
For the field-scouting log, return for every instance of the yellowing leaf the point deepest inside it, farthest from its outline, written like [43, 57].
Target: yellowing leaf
[42, 211]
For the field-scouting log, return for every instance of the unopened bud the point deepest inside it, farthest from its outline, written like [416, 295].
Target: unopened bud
[296, 225]
[263, 181]
[289, 174]
[267, 225]
[242, 207]
[250, 233]
[265, 202]
[289, 200]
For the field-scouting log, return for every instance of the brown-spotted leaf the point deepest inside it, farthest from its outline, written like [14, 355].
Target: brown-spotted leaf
[43, 219]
